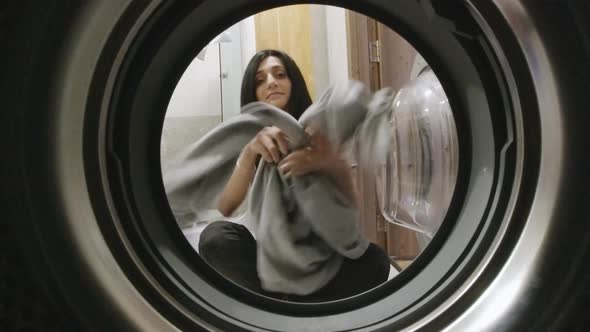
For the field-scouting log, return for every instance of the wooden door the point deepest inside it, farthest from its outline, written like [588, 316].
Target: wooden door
[380, 57]
[362, 32]
[293, 38]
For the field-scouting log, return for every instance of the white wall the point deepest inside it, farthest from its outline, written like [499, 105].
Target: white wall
[248, 39]
[232, 70]
[196, 103]
[206, 83]
[337, 44]
[329, 46]
[197, 92]
[319, 49]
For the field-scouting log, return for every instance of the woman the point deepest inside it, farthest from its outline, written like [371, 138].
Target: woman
[274, 78]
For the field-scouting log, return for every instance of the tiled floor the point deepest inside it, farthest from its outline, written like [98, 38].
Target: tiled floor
[392, 272]
[192, 234]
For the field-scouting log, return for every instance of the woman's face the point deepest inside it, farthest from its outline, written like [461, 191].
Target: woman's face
[273, 86]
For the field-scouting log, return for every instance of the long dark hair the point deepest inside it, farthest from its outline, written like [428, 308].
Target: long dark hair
[299, 100]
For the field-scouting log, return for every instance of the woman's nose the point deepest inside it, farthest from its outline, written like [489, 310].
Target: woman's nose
[270, 81]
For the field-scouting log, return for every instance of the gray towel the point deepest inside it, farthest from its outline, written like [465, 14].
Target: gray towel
[304, 225]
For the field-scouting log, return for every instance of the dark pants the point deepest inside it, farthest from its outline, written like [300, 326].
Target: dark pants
[231, 250]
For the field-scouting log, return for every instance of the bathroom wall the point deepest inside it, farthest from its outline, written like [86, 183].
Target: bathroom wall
[329, 46]
[204, 96]
[194, 108]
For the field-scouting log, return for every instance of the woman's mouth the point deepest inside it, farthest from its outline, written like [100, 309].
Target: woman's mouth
[274, 94]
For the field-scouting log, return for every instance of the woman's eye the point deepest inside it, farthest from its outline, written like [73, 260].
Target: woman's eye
[281, 75]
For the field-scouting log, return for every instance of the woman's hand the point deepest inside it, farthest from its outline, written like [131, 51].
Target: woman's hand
[318, 156]
[321, 156]
[271, 144]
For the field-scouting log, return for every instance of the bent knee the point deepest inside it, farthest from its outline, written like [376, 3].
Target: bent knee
[224, 235]
[379, 261]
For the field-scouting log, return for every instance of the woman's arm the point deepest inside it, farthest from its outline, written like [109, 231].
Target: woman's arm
[236, 188]
[270, 144]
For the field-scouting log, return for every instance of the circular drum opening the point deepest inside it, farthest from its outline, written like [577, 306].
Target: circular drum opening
[403, 198]
[490, 103]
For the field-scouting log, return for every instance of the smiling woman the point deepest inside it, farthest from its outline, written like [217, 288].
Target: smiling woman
[272, 76]
[273, 85]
